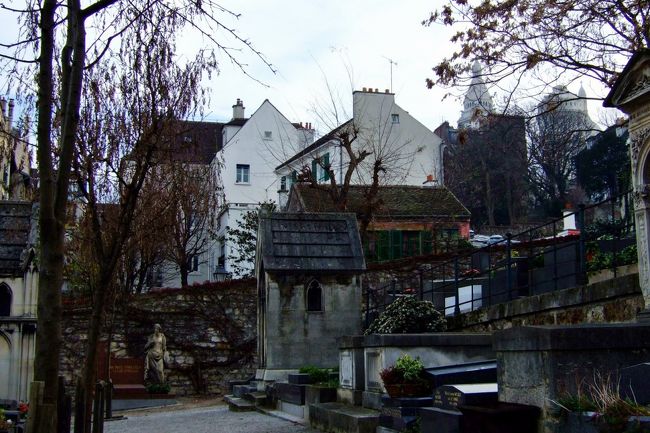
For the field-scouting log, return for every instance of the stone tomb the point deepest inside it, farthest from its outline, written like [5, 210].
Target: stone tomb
[635, 383]
[401, 413]
[445, 416]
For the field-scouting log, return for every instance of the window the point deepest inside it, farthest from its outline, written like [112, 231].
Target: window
[384, 245]
[243, 173]
[394, 118]
[325, 162]
[283, 183]
[314, 296]
[187, 139]
[268, 135]
[193, 263]
[5, 300]
[314, 170]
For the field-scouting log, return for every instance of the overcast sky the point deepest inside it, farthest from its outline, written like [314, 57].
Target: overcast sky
[348, 41]
[306, 41]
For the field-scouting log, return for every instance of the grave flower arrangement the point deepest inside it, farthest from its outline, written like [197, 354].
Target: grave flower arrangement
[406, 378]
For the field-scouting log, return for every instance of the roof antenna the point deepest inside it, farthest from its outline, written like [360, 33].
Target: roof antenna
[392, 62]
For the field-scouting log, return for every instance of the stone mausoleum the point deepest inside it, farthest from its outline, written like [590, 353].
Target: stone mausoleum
[309, 289]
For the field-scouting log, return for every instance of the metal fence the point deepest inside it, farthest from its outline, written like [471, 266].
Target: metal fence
[553, 256]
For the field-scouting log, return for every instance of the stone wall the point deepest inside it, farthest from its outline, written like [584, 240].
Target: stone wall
[612, 301]
[210, 331]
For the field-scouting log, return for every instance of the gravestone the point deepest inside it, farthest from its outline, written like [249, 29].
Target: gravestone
[401, 413]
[469, 372]
[635, 383]
[446, 416]
[478, 394]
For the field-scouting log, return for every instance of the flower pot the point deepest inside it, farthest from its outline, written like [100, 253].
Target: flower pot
[407, 390]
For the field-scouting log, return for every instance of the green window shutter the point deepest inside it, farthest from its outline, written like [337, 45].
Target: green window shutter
[294, 176]
[395, 244]
[383, 245]
[427, 242]
[326, 164]
[314, 170]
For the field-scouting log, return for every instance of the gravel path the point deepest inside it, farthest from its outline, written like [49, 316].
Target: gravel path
[212, 419]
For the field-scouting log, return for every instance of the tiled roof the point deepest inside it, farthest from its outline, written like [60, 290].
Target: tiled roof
[316, 144]
[197, 142]
[396, 202]
[15, 219]
[311, 242]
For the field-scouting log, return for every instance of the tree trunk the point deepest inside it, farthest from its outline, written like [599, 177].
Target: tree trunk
[48, 335]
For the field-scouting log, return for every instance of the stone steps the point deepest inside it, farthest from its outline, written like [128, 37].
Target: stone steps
[342, 418]
[236, 404]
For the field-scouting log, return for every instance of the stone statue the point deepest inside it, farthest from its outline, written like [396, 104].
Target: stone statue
[156, 349]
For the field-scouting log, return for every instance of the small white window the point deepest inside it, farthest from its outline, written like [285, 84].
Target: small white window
[193, 263]
[394, 118]
[268, 135]
[243, 173]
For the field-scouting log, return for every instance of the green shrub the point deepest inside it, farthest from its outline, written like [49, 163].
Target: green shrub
[316, 374]
[408, 315]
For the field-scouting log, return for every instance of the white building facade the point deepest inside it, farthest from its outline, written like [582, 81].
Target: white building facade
[251, 148]
[409, 151]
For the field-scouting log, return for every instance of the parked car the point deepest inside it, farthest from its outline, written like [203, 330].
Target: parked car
[494, 239]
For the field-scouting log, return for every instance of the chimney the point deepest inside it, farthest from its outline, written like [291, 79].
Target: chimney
[10, 113]
[363, 89]
[376, 90]
[238, 110]
[386, 91]
[430, 180]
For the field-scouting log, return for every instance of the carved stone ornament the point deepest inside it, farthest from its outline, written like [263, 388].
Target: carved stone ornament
[637, 140]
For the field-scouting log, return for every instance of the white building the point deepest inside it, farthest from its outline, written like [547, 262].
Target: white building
[409, 151]
[251, 148]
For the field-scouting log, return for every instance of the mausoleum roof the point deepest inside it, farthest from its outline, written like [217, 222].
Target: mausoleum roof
[15, 225]
[310, 242]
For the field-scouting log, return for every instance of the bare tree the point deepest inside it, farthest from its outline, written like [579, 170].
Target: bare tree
[529, 44]
[54, 30]
[193, 197]
[554, 140]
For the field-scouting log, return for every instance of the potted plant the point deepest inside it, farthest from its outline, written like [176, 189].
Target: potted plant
[405, 378]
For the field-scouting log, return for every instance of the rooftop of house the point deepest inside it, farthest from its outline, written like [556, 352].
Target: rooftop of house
[395, 202]
[302, 242]
[15, 226]
[197, 142]
[316, 144]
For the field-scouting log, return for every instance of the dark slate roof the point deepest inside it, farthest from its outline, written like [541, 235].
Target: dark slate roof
[15, 218]
[197, 142]
[395, 202]
[311, 242]
[316, 144]
[237, 122]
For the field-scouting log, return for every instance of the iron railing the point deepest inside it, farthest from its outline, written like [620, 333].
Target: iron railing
[528, 263]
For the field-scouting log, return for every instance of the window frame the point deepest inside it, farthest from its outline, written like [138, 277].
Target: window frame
[245, 173]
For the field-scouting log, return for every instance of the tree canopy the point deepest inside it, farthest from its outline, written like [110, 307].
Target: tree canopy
[519, 39]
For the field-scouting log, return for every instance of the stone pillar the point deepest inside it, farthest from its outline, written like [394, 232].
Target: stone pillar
[631, 94]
